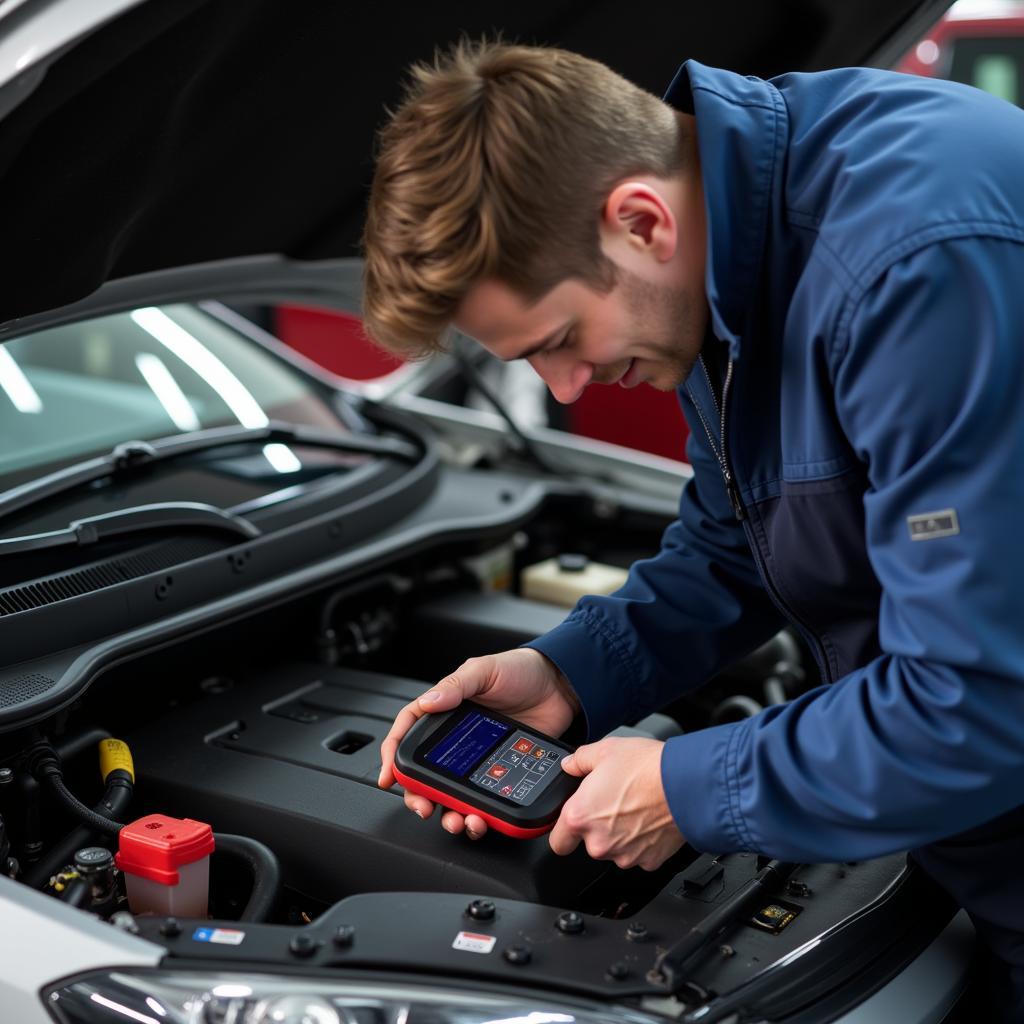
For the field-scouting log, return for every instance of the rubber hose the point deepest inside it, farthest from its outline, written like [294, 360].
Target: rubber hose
[77, 894]
[71, 747]
[42, 761]
[775, 691]
[114, 805]
[266, 873]
[735, 709]
[88, 816]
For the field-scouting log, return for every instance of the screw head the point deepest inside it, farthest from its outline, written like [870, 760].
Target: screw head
[569, 922]
[618, 970]
[302, 945]
[518, 955]
[344, 936]
[171, 928]
[636, 932]
[481, 910]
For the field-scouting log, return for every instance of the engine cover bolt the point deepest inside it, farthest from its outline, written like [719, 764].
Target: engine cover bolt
[636, 932]
[171, 928]
[302, 945]
[518, 955]
[618, 970]
[481, 910]
[345, 935]
[569, 923]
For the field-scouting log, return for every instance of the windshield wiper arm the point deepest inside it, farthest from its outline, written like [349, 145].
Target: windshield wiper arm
[276, 430]
[132, 455]
[166, 515]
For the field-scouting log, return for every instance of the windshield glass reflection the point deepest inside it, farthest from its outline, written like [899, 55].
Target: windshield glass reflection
[80, 389]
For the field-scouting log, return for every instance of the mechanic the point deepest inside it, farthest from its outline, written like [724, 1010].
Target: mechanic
[830, 269]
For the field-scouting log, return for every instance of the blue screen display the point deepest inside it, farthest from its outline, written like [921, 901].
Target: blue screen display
[467, 744]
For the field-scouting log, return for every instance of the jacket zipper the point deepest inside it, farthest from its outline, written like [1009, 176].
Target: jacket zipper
[721, 453]
[730, 484]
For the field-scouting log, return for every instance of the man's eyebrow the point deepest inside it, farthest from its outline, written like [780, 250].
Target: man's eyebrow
[532, 350]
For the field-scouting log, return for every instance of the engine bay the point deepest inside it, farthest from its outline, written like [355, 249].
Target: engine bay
[268, 728]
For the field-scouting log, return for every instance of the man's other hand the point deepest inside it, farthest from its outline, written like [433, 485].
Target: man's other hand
[619, 811]
[522, 684]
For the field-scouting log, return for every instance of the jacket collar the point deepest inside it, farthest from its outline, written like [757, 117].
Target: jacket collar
[740, 132]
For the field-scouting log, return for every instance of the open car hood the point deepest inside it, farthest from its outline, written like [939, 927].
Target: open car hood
[142, 136]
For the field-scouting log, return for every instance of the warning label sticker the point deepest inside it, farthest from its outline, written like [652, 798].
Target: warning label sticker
[473, 942]
[225, 936]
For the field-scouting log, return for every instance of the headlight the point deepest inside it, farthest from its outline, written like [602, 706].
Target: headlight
[164, 997]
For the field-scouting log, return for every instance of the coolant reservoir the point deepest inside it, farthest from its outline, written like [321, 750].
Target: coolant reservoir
[565, 579]
[166, 865]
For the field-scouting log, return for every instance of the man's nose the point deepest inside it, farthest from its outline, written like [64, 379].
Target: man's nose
[566, 379]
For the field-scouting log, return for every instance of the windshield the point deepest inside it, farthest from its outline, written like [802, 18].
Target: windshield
[82, 388]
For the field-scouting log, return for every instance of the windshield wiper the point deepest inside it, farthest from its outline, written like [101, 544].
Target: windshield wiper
[130, 456]
[166, 515]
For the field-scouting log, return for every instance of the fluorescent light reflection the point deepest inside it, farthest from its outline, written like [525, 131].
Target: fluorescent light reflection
[282, 458]
[193, 352]
[21, 393]
[232, 991]
[166, 389]
[155, 1006]
[536, 1018]
[143, 1018]
[26, 58]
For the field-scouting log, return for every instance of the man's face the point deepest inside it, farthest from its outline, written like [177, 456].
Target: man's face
[640, 331]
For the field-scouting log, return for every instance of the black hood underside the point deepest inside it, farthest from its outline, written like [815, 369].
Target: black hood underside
[187, 131]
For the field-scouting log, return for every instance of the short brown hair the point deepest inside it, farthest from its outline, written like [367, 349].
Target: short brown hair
[497, 165]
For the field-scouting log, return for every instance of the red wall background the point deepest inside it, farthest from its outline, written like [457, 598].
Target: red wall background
[639, 418]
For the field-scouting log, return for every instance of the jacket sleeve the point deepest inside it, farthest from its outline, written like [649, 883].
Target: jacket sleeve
[680, 617]
[927, 740]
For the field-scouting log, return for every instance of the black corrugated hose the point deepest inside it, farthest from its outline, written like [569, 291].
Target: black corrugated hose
[114, 805]
[44, 763]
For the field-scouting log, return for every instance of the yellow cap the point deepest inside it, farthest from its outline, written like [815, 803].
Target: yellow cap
[115, 754]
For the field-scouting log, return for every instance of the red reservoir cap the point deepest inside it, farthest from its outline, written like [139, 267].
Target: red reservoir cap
[155, 846]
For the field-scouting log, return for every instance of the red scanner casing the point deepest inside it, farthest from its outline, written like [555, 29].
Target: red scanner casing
[418, 775]
[412, 785]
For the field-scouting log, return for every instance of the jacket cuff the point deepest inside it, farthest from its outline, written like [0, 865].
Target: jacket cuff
[581, 652]
[700, 776]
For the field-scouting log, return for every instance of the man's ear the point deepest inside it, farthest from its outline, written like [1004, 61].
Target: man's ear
[637, 219]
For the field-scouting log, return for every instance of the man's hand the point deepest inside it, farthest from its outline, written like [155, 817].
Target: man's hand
[522, 684]
[619, 811]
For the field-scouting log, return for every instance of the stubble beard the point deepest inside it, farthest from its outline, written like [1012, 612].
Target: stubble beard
[668, 328]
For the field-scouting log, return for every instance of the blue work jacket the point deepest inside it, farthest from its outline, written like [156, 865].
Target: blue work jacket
[865, 275]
